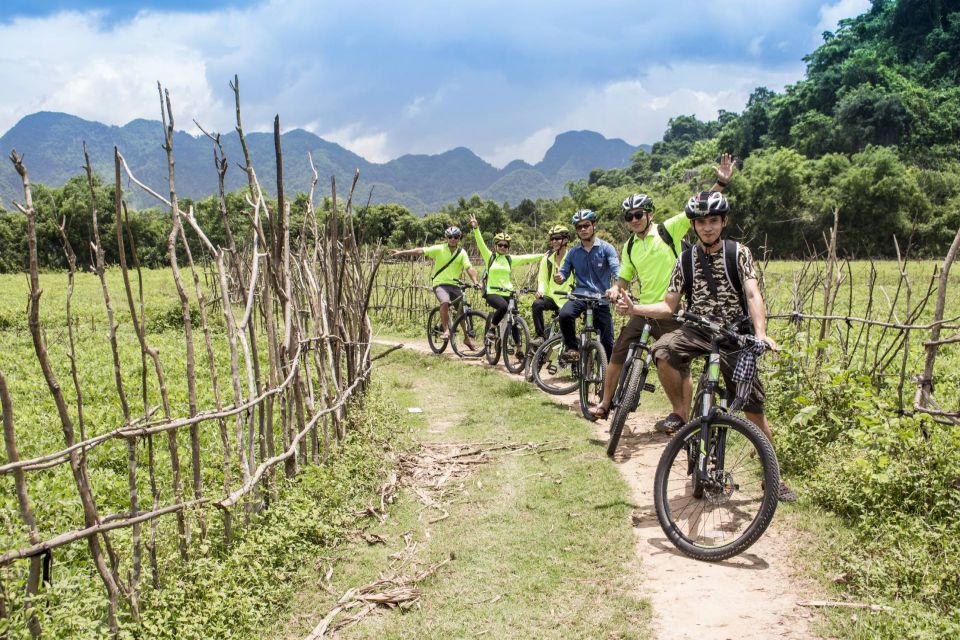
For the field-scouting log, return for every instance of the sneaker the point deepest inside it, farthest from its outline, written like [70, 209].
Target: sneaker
[670, 424]
[570, 355]
[786, 494]
[535, 343]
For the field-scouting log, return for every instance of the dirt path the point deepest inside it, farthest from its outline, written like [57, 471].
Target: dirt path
[751, 596]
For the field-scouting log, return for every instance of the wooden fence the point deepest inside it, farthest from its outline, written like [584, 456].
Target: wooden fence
[304, 303]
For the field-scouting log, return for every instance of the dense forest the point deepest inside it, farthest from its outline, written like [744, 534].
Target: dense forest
[872, 131]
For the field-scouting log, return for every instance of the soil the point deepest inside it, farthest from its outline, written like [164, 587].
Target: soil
[751, 596]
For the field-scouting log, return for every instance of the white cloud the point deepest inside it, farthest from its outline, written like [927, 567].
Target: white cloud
[637, 110]
[530, 149]
[756, 45]
[831, 14]
[371, 146]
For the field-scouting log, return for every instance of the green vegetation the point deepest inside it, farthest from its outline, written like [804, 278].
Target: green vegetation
[542, 543]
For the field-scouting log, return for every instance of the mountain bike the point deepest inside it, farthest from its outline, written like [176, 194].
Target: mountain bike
[464, 329]
[552, 329]
[717, 481]
[511, 337]
[556, 375]
[633, 380]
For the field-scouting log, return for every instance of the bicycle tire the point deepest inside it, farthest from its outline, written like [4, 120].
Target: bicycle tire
[468, 325]
[563, 379]
[634, 382]
[491, 347]
[593, 369]
[750, 473]
[510, 343]
[434, 332]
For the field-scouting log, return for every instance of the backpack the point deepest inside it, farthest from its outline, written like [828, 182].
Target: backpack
[493, 256]
[667, 239]
[731, 249]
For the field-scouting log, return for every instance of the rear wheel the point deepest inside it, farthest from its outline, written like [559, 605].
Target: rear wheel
[594, 365]
[435, 332]
[634, 382]
[552, 373]
[737, 496]
[515, 345]
[465, 336]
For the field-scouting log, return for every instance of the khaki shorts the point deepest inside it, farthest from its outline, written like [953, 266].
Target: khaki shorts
[634, 329]
[679, 348]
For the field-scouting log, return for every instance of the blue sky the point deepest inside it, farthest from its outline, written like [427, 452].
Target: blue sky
[420, 76]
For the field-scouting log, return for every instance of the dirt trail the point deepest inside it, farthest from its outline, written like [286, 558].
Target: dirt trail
[751, 596]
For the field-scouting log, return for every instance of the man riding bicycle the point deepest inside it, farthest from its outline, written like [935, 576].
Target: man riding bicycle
[649, 256]
[719, 280]
[496, 276]
[595, 266]
[549, 293]
[450, 260]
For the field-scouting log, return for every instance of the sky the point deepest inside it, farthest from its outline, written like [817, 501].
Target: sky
[384, 79]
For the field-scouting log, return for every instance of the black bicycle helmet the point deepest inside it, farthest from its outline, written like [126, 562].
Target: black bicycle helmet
[707, 203]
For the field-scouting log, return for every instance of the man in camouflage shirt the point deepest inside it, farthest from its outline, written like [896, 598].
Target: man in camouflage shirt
[720, 300]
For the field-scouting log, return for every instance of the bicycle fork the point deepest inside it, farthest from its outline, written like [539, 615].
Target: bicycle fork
[708, 411]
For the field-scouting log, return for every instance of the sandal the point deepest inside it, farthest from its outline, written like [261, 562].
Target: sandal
[600, 412]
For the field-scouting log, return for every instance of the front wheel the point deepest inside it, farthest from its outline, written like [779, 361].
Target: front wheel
[435, 328]
[634, 381]
[550, 371]
[733, 502]
[593, 364]
[515, 345]
[491, 341]
[466, 335]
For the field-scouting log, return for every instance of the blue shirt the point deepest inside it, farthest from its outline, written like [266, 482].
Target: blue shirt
[594, 270]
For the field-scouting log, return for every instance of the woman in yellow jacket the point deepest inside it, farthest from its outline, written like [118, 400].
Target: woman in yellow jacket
[496, 275]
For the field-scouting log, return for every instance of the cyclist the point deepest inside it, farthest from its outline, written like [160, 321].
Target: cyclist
[649, 256]
[595, 266]
[451, 260]
[496, 276]
[719, 280]
[549, 293]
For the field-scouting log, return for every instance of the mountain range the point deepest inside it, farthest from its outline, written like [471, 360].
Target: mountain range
[51, 144]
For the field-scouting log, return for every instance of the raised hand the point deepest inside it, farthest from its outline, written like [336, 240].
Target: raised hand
[394, 252]
[473, 221]
[725, 170]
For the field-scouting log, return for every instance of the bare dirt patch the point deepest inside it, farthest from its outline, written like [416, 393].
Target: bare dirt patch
[752, 596]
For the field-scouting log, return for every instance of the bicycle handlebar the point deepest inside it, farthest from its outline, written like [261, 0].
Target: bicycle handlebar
[466, 285]
[714, 326]
[586, 297]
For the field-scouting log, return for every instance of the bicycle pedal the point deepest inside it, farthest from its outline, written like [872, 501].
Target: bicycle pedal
[648, 386]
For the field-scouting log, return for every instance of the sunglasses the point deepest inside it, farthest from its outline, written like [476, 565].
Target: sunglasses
[502, 245]
[633, 215]
[555, 238]
[581, 227]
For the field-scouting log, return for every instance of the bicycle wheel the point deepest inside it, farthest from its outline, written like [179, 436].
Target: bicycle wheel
[435, 339]
[634, 381]
[738, 495]
[594, 364]
[515, 344]
[551, 373]
[491, 341]
[465, 336]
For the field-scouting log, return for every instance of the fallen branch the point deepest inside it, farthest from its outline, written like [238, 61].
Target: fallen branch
[848, 605]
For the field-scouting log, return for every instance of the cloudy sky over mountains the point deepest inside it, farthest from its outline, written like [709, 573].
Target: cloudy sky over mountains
[388, 78]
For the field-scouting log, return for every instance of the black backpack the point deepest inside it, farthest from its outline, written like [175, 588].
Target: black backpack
[667, 239]
[730, 251]
[493, 256]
